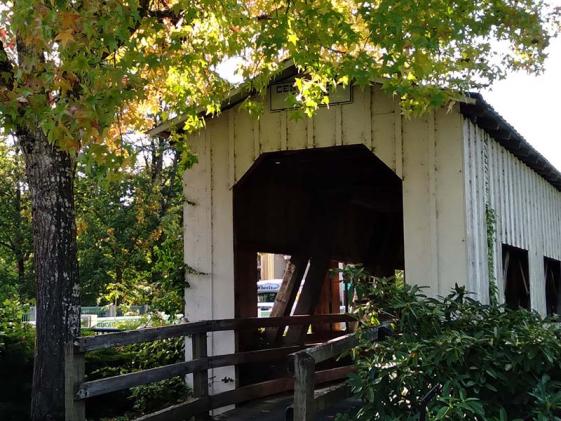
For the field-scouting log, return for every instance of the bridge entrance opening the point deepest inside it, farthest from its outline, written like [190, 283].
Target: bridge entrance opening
[320, 207]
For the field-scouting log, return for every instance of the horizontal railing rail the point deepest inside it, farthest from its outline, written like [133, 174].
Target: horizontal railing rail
[303, 363]
[90, 343]
[78, 390]
[126, 381]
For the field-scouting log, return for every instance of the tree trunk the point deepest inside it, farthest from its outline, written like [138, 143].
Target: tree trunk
[50, 174]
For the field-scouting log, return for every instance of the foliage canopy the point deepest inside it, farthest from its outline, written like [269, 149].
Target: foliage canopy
[83, 72]
[130, 229]
[16, 273]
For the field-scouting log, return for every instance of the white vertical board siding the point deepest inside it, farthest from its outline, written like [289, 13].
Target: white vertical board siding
[222, 159]
[384, 114]
[425, 152]
[357, 130]
[527, 208]
[197, 238]
[372, 119]
[433, 202]
[209, 244]
[421, 259]
[450, 196]
[476, 187]
[297, 132]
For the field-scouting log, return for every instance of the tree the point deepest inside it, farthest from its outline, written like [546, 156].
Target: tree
[68, 70]
[73, 72]
[15, 225]
[129, 229]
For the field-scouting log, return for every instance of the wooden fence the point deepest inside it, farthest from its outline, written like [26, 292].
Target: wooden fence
[78, 390]
[306, 403]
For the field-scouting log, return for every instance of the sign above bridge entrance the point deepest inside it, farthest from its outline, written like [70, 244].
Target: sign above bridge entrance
[279, 94]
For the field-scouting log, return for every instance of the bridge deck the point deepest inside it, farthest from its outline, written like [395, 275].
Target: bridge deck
[274, 409]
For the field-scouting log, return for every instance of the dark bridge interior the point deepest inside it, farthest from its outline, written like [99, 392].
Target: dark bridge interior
[320, 206]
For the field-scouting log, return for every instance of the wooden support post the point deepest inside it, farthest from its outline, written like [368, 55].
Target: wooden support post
[309, 296]
[245, 298]
[292, 278]
[74, 375]
[200, 377]
[304, 368]
[245, 282]
[329, 302]
[284, 299]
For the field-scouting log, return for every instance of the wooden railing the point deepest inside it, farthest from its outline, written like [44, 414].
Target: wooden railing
[306, 404]
[78, 390]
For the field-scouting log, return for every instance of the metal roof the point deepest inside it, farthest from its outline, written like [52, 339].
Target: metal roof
[484, 116]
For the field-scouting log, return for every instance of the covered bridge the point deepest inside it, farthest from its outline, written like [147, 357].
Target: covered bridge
[455, 196]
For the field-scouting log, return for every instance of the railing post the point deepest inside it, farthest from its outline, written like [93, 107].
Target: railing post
[200, 377]
[74, 374]
[304, 369]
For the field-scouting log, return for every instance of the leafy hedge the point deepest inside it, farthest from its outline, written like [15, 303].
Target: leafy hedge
[16, 362]
[485, 362]
[16, 371]
[127, 359]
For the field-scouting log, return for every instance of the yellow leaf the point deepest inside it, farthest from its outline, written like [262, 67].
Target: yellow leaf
[344, 80]
[293, 38]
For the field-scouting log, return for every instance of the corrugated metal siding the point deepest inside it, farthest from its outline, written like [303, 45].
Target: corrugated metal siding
[527, 207]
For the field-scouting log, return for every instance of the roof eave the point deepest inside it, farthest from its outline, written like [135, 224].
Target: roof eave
[484, 116]
[235, 97]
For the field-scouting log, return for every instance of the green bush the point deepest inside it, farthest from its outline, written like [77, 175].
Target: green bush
[17, 341]
[151, 397]
[127, 359]
[16, 361]
[491, 363]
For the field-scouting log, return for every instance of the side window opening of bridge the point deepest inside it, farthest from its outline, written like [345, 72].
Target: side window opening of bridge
[516, 277]
[552, 270]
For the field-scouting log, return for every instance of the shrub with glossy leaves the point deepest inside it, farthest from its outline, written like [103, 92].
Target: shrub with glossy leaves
[488, 362]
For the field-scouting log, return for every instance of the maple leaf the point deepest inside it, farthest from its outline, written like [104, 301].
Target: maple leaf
[65, 37]
[293, 38]
[69, 20]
